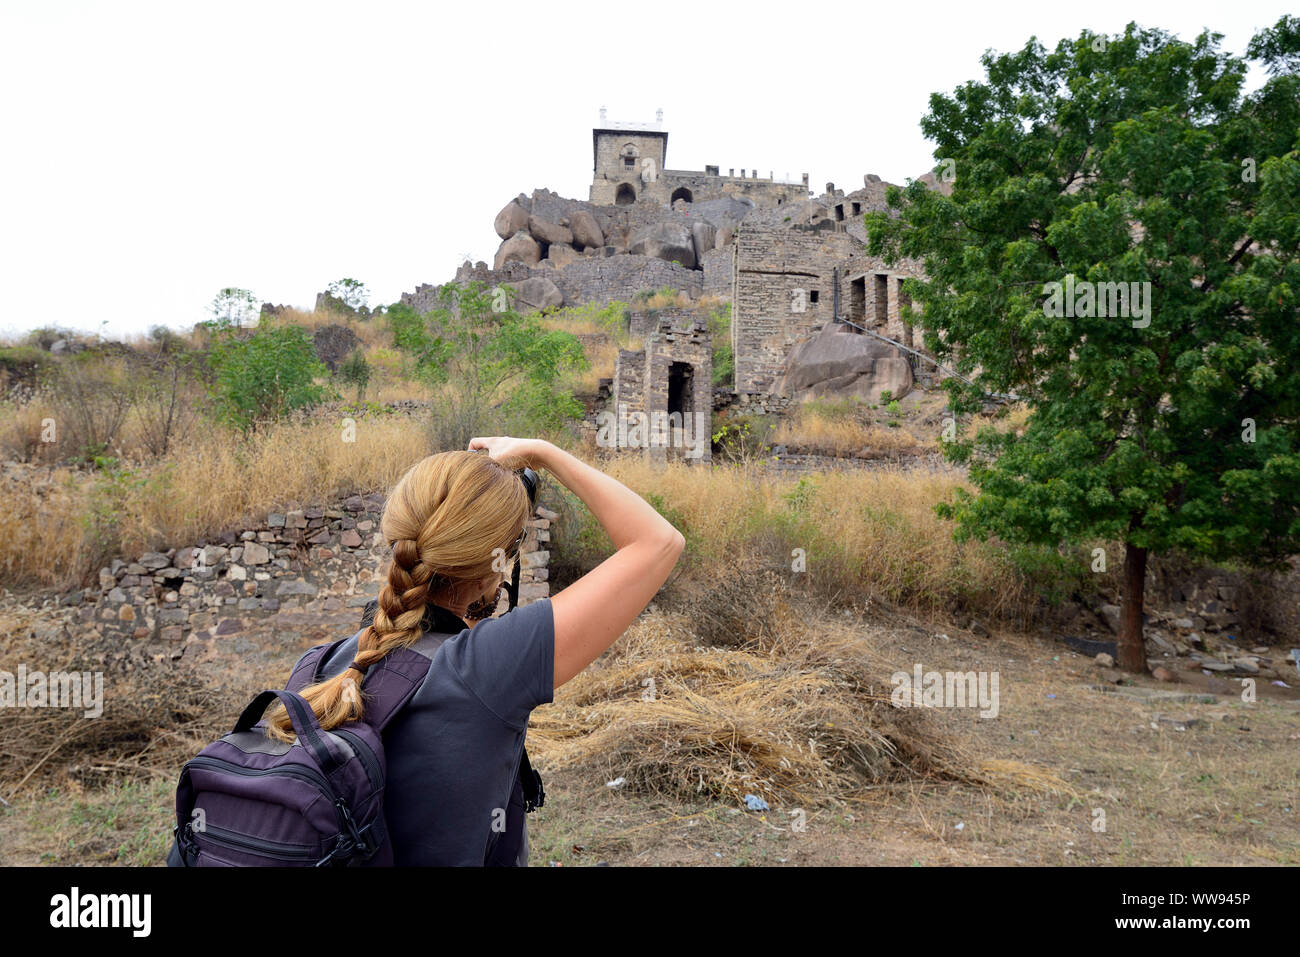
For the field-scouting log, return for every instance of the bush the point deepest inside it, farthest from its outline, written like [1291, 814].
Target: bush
[90, 397]
[164, 408]
[21, 365]
[265, 376]
[355, 371]
[724, 363]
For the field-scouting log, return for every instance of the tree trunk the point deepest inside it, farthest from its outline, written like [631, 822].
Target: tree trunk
[1132, 647]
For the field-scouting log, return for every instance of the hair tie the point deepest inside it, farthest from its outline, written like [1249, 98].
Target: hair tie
[355, 666]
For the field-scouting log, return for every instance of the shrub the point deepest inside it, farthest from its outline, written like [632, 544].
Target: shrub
[356, 371]
[90, 397]
[265, 376]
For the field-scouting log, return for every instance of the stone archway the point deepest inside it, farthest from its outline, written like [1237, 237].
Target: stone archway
[681, 193]
[625, 195]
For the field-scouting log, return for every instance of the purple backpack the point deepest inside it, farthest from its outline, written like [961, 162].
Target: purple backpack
[250, 800]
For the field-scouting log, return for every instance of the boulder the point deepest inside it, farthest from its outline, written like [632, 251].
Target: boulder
[667, 240]
[548, 232]
[705, 237]
[586, 231]
[723, 212]
[536, 293]
[510, 220]
[836, 362]
[561, 254]
[724, 237]
[518, 248]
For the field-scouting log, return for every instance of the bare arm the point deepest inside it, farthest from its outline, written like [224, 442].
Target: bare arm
[592, 612]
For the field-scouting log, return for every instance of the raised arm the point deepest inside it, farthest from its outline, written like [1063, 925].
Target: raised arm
[592, 612]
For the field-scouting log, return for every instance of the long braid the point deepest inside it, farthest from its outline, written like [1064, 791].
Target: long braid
[420, 528]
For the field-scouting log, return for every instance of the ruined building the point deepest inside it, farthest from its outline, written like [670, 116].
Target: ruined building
[629, 164]
[812, 312]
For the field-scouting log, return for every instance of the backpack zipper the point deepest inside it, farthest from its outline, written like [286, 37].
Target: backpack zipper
[304, 773]
[221, 836]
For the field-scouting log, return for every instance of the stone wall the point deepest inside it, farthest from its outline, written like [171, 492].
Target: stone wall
[785, 289]
[619, 278]
[310, 559]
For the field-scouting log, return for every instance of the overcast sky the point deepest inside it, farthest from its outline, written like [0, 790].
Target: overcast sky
[155, 152]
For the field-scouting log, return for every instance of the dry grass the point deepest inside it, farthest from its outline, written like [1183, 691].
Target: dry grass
[217, 480]
[373, 333]
[154, 709]
[812, 432]
[864, 534]
[45, 541]
[800, 717]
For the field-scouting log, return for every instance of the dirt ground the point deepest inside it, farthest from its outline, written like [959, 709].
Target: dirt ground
[1157, 774]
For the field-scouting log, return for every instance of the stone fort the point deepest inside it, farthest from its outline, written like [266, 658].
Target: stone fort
[812, 313]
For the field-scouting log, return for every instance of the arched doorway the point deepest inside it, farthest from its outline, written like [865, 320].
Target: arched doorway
[681, 193]
[625, 196]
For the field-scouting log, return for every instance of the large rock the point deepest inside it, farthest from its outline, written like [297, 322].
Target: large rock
[723, 212]
[536, 293]
[561, 254]
[839, 363]
[705, 237]
[585, 229]
[510, 220]
[667, 240]
[518, 248]
[547, 232]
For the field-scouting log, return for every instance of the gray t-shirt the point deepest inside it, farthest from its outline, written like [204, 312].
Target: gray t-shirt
[453, 751]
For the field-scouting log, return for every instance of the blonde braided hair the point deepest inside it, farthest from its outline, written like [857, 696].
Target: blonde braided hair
[445, 519]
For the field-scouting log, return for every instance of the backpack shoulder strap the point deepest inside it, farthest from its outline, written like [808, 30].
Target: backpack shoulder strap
[307, 671]
[388, 685]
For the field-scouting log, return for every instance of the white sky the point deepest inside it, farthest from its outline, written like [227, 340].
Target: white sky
[155, 152]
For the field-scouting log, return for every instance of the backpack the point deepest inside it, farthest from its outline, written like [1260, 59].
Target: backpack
[249, 800]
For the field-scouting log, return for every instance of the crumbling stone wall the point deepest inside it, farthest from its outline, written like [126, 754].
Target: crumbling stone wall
[670, 382]
[314, 560]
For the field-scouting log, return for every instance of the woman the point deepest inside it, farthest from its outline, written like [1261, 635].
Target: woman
[454, 520]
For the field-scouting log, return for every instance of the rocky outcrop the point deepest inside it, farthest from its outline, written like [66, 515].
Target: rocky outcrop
[545, 231]
[704, 237]
[561, 255]
[536, 293]
[668, 241]
[511, 220]
[840, 363]
[586, 231]
[521, 248]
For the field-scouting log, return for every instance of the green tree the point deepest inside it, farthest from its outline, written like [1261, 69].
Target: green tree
[264, 376]
[352, 294]
[1130, 159]
[494, 368]
[234, 307]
